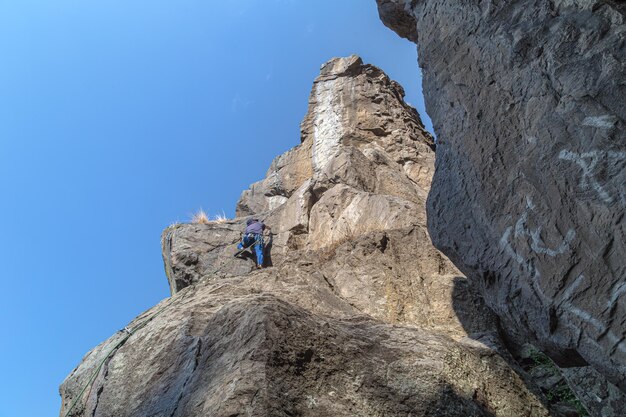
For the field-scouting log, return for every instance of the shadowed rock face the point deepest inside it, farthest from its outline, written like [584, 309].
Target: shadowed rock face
[359, 315]
[529, 194]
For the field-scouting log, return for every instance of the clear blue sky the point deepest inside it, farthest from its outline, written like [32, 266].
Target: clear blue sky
[120, 117]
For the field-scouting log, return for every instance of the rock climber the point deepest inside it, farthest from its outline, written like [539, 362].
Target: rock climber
[253, 235]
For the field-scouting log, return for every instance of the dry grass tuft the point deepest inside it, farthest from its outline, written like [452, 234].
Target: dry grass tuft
[200, 217]
[220, 218]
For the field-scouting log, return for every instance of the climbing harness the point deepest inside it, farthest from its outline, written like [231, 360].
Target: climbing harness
[128, 332]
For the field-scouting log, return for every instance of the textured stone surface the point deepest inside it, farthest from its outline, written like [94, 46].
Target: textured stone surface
[231, 348]
[191, 251]
[600, 397]
[529, 194]
[354, 109]
[359, 314]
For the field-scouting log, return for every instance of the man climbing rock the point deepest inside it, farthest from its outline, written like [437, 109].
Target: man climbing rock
[253, 235]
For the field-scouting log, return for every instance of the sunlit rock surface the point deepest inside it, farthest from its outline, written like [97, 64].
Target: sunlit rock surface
[358, 315]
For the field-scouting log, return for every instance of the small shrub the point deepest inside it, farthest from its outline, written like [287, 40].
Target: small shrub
[561, 392]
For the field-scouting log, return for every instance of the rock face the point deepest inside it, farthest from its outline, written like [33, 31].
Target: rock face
[529, 194]
[231, 348]
[359, 314]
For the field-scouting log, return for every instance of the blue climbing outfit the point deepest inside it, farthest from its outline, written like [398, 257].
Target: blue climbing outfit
[255, 239]
[254, 236]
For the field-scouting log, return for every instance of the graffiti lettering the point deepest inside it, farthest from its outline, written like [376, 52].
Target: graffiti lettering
[593, 164]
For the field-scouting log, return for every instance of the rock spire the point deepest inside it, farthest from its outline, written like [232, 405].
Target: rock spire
[359, 314]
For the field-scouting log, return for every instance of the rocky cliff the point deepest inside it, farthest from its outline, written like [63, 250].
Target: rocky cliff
[529, 193]
[358, 314]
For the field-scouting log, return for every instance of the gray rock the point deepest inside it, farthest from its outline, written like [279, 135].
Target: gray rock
[359, 313]
[529, 194]
[600, 397]
[286, 174]
[193, 251]
[225, 350]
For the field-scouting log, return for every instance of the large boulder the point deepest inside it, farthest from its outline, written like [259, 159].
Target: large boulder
[529, 194]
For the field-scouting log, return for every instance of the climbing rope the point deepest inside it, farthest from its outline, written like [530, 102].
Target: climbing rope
[128, 333]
